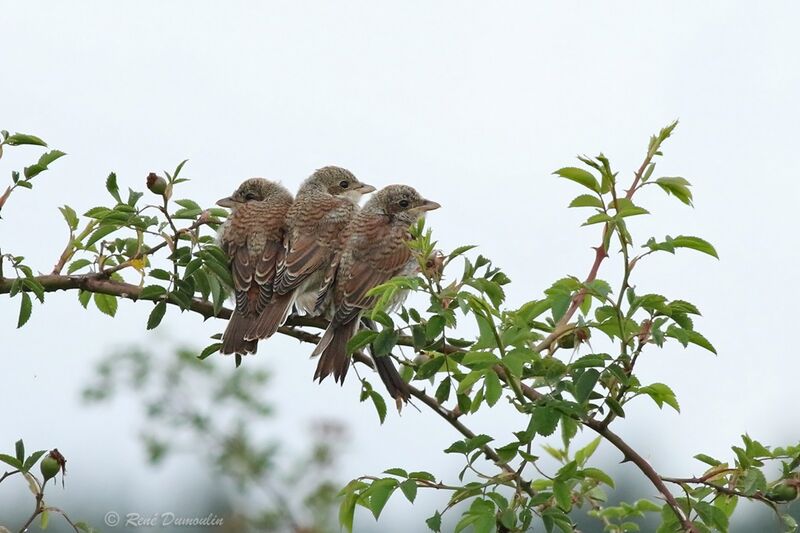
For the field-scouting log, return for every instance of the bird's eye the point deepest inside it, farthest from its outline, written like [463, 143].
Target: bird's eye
[344, 184]
[250, 196]
[403, 203]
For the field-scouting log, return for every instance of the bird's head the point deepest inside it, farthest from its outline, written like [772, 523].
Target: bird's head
[400, 202]
[254, 190]
[336, 181]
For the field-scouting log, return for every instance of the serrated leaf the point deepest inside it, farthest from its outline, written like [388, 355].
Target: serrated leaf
[152, 292]
[25, 308]
[19, 449]
[106, 303]
[599, 475]
[347, 510]
[384, 342]
[586, 200]
[19, 139]
[545, 420]
[661, 394]
[380, 405]
[77, 265]
[112, 188]
[210, 349]
[578, 175]
[409, 488]
[379, 493]
[11, 461]
[156, 315]
[695, 243]
[360, 339]
[677, 187]
[493, 387]
[435, 522]
[70, 217]
[84, 297]
[707, 459]
[99, 233]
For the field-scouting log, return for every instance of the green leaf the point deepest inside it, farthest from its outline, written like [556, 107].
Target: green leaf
[161, 274]
[435, 522]
[84, 297]
[434, 327]
[661, 394]
[384, 342]
[112, 188]
[694, 243]
[152, 292]
[461, 250]
[515, 360]
[347, 510]
[11, 461]
[443, 390]
[469, 380]
[361, 339]
[399, 472]
[545, 420]
[19, 139]
[380, 405]
[99, 233]
[677, 187]
[712, 516]
[494, 389]
[409, 488]
[585, 384]
[599, 475]
[77, 265]
[696, 338]
[563, 494]
[578, 175]
[106, 303]
[597, 219]
[479, 359]
[208, 350]
[189, 204]
[34, 457]
[707, 459]
[19, 448]
[156, 315]
[753, 481]
[25, 308]
[586, 200]
[379, 493]
[583, 455]
[70, 217]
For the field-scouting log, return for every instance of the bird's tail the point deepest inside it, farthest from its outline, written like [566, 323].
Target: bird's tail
[271, 318]
[234, 339]
[332, 349]
[394, 383]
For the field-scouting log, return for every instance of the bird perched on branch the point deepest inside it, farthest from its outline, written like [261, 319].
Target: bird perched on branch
[252, 238]
[325, 204]
[375, 249]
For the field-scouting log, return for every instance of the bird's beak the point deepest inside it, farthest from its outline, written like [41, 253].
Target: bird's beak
[227, 202]
[364, 188]
[428, 205]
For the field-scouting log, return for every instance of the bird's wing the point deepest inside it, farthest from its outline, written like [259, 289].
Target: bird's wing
[253, 264]
[383, 257]
[309, 251]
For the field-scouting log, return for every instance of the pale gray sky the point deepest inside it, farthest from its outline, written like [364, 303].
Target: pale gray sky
[475, 105]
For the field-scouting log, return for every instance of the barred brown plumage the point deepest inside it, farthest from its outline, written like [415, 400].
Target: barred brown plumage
[252, 238]
[375, 249]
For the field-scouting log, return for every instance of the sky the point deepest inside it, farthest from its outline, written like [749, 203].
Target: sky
[473, 104]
